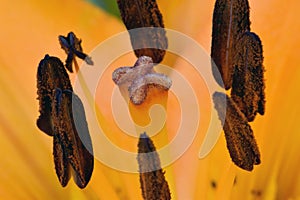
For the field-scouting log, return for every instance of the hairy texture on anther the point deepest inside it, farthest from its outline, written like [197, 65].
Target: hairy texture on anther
[152, 178]
[152, 41]
[70, 131]
[239, 136]
[230, 20]
[248, 76]
[51, 74]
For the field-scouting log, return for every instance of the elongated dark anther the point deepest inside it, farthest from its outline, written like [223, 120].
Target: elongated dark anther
[239, 136]
[153, 183]
[62, 116]
[51, 74]
[72, 146]
[72, 46]
[230, 21]
[152, 41]
[248, 76]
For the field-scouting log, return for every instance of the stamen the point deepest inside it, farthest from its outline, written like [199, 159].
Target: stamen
[239, 135]
[152, 41]
[248, 76]
[230, 20]
[68, 126]
[153, 183]
[51, 74]
[72, 46]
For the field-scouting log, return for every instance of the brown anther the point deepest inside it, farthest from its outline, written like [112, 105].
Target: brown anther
[62, 116]
[248, 77]
[51, 74]
[230, 20]
[153, 183]
[152, 41]
[72, 144]
[240, 140]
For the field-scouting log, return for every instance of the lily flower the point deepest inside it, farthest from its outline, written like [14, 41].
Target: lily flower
[30, 29]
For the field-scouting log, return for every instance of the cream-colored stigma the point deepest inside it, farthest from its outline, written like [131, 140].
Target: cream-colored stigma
[135, 81]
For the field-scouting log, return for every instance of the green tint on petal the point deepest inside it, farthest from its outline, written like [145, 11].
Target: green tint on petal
[109, 6]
